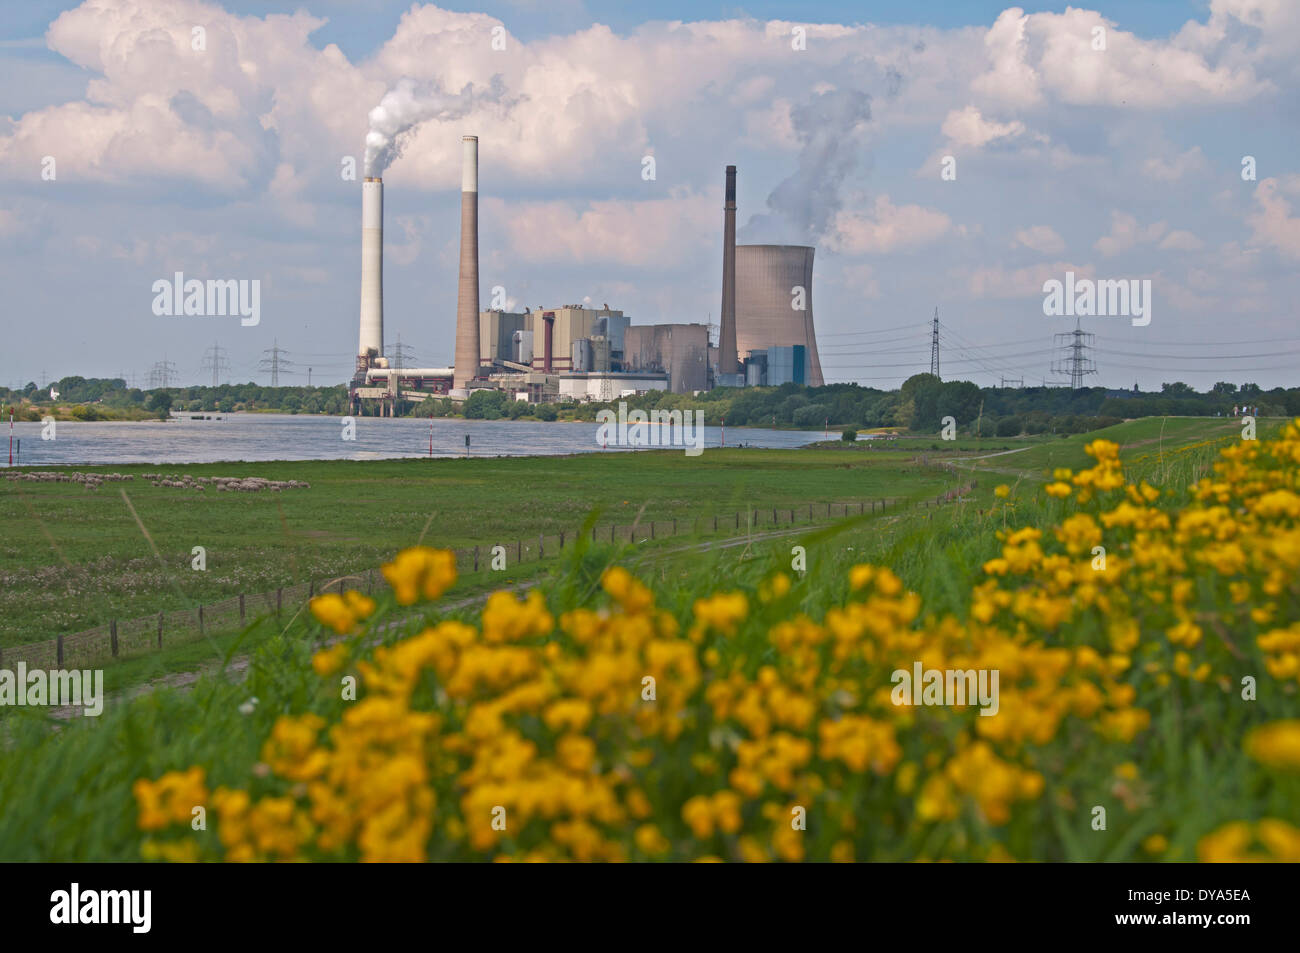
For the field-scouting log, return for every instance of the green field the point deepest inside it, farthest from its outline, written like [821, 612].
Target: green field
[72, 558]
[1195, 776]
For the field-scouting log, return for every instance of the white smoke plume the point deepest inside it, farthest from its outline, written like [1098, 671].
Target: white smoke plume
[831, 128]
[403, 108]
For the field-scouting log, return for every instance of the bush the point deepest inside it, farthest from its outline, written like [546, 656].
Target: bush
[1010, 427]
[849, 435]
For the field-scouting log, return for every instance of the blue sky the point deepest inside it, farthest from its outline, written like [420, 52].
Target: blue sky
[1117, 163]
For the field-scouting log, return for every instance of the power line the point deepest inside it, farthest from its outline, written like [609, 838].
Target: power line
[275, 362]
[1075, 360]
[216, 361]
[161, 374]
[934, 345]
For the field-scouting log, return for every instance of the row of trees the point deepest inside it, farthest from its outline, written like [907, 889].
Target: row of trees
[225, 398]
[920, 405]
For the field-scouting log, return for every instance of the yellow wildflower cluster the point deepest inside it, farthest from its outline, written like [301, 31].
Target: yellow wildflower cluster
[614, 730]
[342, 612]
[420, 573]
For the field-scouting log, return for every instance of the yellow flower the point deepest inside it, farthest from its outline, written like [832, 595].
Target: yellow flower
[330, 660]
[342, 612]
[1002, 491]
[420, 572]
[1276, 745]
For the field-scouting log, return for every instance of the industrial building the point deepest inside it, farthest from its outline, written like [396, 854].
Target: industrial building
[679, 350]
[574, 352]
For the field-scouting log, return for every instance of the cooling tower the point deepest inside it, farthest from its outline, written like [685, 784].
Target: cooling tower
[467, 347]
[372, 267]
[768, 283]
[727, 361]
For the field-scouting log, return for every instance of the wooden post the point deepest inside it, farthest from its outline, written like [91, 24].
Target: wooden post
[160, 617]
[370, 581]
[652, 529]
[715, 522]
[674, 526]
[541, 545]
[59, 650]
[200, 620]
[311, 589]
[611, 532]
[476, 559]
[561, 539]
[112, 634]
[279, 599]
[519, 551]
[241, 608]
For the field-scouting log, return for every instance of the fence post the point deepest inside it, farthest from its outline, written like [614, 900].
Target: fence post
[279, 597]
[674, 526]
[59, 650]
[652, 529]
[715, 522]
[311, 589]
[160, 618]
[476, 559]
[519, 551]
[112, 632]
[241, 608]
[200, 620]
[611, 532]
[561, 539]
[541, 545]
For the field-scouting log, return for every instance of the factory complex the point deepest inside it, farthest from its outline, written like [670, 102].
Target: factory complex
[573, 352]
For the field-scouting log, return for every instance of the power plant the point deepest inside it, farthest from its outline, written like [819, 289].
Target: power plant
[576, 352]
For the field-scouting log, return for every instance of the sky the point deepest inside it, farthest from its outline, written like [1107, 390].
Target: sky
[954, 155]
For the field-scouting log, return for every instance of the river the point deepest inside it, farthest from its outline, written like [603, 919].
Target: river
[249, 437]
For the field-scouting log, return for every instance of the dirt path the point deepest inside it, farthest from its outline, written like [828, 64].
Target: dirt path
[238, 665]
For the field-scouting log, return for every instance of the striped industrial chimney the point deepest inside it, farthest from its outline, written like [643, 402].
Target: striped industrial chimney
[727, 358]
[372, 267]
[467, 352]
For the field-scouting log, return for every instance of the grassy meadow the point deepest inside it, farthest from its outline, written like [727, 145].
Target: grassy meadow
[1121, 690]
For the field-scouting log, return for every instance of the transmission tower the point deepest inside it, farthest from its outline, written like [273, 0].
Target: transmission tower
[398, 354]
[214, 360]
[1012, 382]
[275, 363]
[1074, 361]
[162, 374]
[934, 345]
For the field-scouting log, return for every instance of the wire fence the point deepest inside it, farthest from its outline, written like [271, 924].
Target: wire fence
[127, 638]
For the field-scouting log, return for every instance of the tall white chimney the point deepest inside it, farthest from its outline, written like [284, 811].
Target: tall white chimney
[372, 267]
[467, 345]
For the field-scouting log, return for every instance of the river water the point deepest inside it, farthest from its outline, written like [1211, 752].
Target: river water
[247, 437]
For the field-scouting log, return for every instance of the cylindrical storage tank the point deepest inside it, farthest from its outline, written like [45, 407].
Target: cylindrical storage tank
[372, 266]
[774, 302]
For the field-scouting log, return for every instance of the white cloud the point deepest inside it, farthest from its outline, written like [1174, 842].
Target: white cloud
[1181, 240]
[1126, 233]
[654, 232]
[1040, 238]
[887, 228]
[966, 127]
[1272, 223]
[1171, 170]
